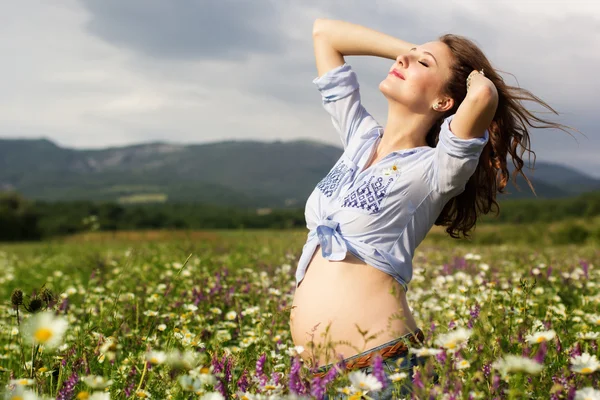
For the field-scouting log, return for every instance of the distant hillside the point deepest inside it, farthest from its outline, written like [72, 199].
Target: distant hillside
[229, 173]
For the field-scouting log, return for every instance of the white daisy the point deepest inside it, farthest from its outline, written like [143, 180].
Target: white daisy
[588, 335]
[99, 396]
[189, 383]
[45, 328]
[362, 381]
[231, 315]
[20, 393]
[587, 393]
[96, 382]
[463, 364]
[212, 396]
[584, 364]
[156, 357]
[425, 351]
[539, 337]
[513, 363]
[292, 351]
[453, 339]
[398, 376]
[594, 318]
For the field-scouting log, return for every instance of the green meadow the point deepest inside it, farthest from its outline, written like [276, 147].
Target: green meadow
[204, 314]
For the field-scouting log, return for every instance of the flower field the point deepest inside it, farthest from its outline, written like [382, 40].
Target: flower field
[206, 317]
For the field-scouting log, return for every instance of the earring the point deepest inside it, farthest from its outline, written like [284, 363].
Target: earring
[436, 106]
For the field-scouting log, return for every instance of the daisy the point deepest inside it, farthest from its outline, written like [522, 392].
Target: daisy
[362, 381]
[22, 382]
[99, 396]
[539, 337]
[292, 351]
[142, 394]
[156, 357]
[594, 318]
[425, 351]
[398, 376]
[588, 335]
[45, 328]
[584, 364]
[392, 170]
[96, 382]
[587, 393]
[21, 394]
[462, 364]
[512, 363]
[212, 396]
[189, 383]
[230, 315]
[452, 340]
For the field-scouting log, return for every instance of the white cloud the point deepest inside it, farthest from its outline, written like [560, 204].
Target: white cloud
[65, 83]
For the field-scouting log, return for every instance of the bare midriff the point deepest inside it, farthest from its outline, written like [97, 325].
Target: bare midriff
[336, 297]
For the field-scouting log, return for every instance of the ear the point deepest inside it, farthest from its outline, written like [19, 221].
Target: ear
[445, 104]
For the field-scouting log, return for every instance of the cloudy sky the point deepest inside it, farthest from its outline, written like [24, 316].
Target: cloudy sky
[100, 73]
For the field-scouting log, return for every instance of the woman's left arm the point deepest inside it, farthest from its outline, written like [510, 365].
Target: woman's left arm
[476, 112]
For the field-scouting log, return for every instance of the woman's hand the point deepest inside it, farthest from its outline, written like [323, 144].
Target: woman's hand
[335, 39]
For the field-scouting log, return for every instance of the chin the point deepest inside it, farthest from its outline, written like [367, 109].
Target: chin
[388, 90]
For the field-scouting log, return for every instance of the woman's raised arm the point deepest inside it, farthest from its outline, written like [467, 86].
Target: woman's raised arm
[335, 39]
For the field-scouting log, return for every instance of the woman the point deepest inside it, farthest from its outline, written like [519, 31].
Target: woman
[440, 159]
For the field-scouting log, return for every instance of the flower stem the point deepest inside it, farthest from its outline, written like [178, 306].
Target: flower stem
[143, 375]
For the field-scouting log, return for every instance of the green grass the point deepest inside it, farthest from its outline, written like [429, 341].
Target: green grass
[112, 285]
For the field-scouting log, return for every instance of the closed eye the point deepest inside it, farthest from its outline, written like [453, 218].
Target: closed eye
[424, 64]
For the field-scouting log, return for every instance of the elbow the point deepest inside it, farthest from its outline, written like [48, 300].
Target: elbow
[319, 26]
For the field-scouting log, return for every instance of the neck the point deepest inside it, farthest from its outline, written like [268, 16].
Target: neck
[404, 129]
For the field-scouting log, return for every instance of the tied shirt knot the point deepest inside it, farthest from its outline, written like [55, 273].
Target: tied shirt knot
[333, 246]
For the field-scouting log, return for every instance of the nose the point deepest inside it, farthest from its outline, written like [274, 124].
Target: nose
[402, 60]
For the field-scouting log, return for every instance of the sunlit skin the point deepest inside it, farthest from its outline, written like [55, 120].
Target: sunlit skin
[410, 101]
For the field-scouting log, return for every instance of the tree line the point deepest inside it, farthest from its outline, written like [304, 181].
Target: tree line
[22, 219]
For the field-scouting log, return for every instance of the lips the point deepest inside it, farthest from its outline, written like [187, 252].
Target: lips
[397, 74]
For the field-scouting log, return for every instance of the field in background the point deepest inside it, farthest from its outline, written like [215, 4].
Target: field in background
[140, 317]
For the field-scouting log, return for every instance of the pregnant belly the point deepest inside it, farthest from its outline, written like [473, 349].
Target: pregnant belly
[346, 307]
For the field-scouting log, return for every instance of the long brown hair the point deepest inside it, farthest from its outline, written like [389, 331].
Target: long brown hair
[507, 135]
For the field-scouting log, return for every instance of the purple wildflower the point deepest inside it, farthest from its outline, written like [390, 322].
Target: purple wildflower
[452, 324]
[575, 351]
[295, 384]
[487, 369]
[441, 357]
[378, 371]
[474, 314]
[541, 353]
[66, 392]
[417, 380]
[317, 388]
[227, 361]
[260, 373]
[585, 267]
[242, 383]
[495, 382]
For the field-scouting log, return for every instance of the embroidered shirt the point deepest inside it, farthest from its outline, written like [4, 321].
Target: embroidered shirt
[381, 213]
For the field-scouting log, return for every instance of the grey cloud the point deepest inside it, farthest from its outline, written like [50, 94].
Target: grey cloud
[190, 29]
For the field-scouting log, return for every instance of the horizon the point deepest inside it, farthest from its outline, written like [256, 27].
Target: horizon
[94, 75]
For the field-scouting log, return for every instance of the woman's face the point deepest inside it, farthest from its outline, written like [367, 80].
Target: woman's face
[424, 77]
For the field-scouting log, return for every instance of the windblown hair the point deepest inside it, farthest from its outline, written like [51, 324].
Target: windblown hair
[507, 135]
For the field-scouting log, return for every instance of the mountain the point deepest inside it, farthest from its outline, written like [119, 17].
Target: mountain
[233, 173]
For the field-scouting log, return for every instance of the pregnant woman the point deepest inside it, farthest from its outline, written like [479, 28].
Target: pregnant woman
[440, 159]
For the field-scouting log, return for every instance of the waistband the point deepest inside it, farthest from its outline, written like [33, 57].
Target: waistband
[387, 350]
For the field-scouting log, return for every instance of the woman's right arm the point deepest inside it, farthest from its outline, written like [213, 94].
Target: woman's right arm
[335, 39]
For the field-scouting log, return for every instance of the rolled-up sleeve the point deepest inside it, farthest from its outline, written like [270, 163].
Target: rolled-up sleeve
[455, 159]
[341, 99]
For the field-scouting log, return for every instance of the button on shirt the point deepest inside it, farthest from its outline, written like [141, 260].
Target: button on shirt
[381, 213]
